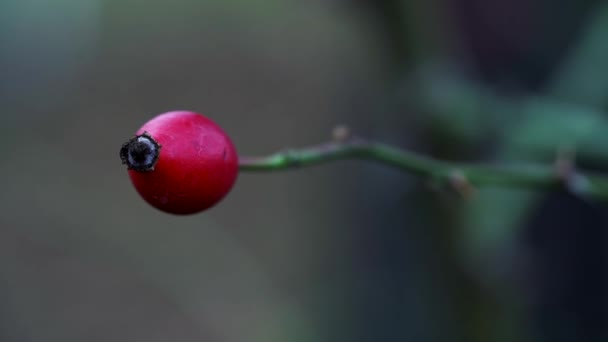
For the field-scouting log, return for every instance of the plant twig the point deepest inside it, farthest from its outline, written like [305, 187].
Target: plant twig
[469, 174]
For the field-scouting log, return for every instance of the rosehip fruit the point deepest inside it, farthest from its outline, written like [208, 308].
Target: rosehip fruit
[181, 162]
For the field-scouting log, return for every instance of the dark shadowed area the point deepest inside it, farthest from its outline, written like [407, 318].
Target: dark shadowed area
[345, 251]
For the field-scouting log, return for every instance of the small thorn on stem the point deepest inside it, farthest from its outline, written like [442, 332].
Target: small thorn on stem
[459, 182]
[341, 133]
[565, 169]
[564, 165]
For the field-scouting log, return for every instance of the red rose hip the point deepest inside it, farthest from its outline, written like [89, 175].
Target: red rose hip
[181, 162]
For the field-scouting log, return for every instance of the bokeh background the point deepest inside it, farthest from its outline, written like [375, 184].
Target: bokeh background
[348, 251]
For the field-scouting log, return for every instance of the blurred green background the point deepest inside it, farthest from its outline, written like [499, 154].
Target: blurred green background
[347, 251]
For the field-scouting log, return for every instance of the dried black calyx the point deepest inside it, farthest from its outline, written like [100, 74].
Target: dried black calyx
[140, 153]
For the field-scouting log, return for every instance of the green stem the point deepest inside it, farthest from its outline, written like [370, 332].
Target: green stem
[461, 176]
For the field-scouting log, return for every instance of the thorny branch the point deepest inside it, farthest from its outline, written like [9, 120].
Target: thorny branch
[461, 176]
